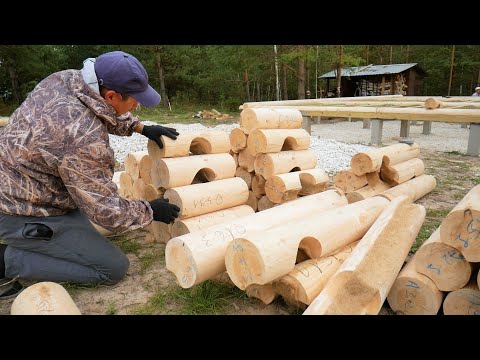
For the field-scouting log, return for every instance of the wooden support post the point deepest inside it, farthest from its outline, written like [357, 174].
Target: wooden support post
[427, 127]
[377, 130]
[473, 148]
[316, 119]
[307, 124]
[366, 123]
[404, 129]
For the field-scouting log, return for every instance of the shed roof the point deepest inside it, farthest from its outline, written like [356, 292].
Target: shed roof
[372, 70]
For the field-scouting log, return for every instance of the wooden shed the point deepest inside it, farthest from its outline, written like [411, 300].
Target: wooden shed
[404, 79]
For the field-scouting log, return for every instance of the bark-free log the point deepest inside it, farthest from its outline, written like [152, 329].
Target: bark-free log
[283, 162]
[348, 181]
[443, 264]
[263, 257]
[143, 191]
[246, 161]
[261, 141]
[367, 192]
[252, 201]
[197, 223]
[199, 199]
[126, 184]
[264, 203]
[196, 142]
[414, 189]
[265, 293]
[238, 140]
[258, 186]
[245, 175]
[235, 157]
[44, 298]
[199, 256]
[313, 181]
[461, 227]
[251, 119]
[132, 163]
[404, 171]
[413, 293]
[465, 301]
[173, 172]
[146, 169]
[161, 231]
[361, 284]
[309, 277]
[371, 161]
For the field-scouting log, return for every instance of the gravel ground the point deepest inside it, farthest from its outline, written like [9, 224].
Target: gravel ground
[334, 144]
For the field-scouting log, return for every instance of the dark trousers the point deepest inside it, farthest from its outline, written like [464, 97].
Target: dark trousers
[60, 248]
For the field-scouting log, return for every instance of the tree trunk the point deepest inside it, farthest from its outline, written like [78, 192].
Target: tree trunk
[161, 76]
[451, 70]
[284, 82]
[408, 54]
[391, 54]
[277, 81]
[12, 71]
[301, 78]
[246, 82]
[339, 71]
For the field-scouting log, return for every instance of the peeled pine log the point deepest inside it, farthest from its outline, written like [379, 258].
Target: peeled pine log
[366, 192]
[308, 278]
[413, 293]
[174, 172]
[313, 181]
[142, 191]
[197, 223]
[3, 121]
[126, 184]
[261, 141]
[414, 189]
[265, 203]
[461, 227]
[361, 284]
[146, 169]
[252, 201]
[251, 119]
[235, 157]
[283, 162]
[246, 161]
[44, 298]
[443, 264]
[404, 171]
[245, 175]
[259, 258]
[238, 140]
[265, 293]
[371, 161]
[343, 100]
[199, 199]
[258, 186]
[196, 142]
[465, 301]
[132, 163]
[348, 181]
[161, 232]
[432, 103]
[199, 256]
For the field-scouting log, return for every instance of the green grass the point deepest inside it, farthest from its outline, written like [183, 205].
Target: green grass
[156, 256]
[433, 220]
[208, 297]
[126, 244]
[111, 309]
[455, 153]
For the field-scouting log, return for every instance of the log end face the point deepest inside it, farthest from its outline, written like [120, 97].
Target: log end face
[462, 302]
[361, 164]
[179, 260]
[243, 263]
[460, 230]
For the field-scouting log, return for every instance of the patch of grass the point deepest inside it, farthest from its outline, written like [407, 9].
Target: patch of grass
[157, 304]
[455, 153]
[147, 260]
[126, 244]
[476, 180]
[111, 309]
[425, 232]
[437, 214]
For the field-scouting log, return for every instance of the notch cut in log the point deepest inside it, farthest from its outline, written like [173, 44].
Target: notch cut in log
[283, 162]
[404, 171]
[261, 141]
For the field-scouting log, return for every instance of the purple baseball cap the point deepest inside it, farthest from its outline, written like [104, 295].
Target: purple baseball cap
[123, 73]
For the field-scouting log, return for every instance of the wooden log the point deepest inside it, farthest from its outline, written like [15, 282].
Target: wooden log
[238, 140]
[132, 163]
[174, 172]
[258, 258]
[265, 293]
[161, 232]
[246, 161]
[366, 192]
[414, 189]
[433, 103]
[150, 234]
[126, 184]
[443, 264]
[146, 169]
[371, 161]
[283, 187]
[465, 301]
[3, 121]
[261, 141]
[235, 157]
[313, 181]
[195, 142]
[265, 203]
[413, 293]
[245, 175]
[308, 278]
[252, 201]
[201, 222]
[283, 162]
[44, 298]
[258, 186]
[461, 228]
[199, 256]
[404, 171]
[199, 199]
[339, 103]
[318, 101]
[348, 181]
[251, 119]
[142, 191]
[361, 284]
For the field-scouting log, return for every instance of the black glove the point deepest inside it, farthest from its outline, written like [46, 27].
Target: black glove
[153, 132]
[164, 211]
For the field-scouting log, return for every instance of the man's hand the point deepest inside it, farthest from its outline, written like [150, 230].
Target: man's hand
[164, 211]
[153, 132]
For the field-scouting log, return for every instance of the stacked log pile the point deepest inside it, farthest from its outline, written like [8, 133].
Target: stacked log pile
[445, 268]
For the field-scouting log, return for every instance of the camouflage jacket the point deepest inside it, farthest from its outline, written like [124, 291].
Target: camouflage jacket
[55, 156]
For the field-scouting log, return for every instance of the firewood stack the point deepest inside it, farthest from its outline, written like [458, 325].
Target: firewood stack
[273, 157]
[445, 268]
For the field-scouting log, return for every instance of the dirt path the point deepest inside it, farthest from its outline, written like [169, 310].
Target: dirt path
[150, 289]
